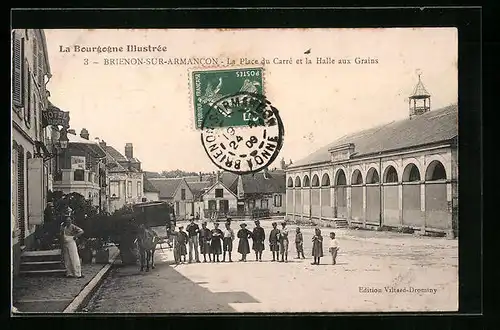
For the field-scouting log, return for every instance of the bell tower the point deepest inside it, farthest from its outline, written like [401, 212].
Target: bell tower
[420, 100]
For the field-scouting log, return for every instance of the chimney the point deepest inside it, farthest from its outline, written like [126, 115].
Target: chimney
[217, 178]
[84, 134]
[129, 151]
[201, 177]
[102, 143]
[283, 164]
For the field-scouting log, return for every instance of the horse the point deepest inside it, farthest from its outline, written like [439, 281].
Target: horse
[147, 240]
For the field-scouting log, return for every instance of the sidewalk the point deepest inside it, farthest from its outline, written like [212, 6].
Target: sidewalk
[53, 294]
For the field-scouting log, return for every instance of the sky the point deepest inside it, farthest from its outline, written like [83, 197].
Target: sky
[151, 106]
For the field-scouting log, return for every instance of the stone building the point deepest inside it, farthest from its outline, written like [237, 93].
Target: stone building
[30, 165]
[240, 195]
[125, 177]
[402, 174]
[177, 192]
[81, 169]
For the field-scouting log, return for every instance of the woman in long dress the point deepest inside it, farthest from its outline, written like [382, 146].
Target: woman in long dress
[317, 250]
[216, 243]
[243, 247]
[69, 233]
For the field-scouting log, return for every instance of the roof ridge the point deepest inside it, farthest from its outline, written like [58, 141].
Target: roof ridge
[365, 133]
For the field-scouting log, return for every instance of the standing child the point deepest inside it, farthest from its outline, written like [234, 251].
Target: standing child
[243, 247]
[299, 243]
[334, 247]
[182, 240]
[317, 250]
[227, 242]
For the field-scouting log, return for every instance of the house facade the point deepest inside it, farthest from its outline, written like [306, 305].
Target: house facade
[151, 194]
[403, 174]
[30, 169]
[235, 195]
[177, 192]
[125, 177]
[81, 169]
[218, 199]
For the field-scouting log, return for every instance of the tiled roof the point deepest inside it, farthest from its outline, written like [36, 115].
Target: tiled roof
[149, 187]
[196, 178]
[273, 182]
[149, 175]
[198, 187]
[256, 182]
[115, 154]
[166, 186]
[228, 178]
[431, 127]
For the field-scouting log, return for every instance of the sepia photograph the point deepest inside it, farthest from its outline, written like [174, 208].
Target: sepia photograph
[276, 170]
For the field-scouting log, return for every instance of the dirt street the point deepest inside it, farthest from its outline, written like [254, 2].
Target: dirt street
[375, 271]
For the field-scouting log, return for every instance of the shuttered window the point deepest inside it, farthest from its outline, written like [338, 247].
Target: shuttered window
[40, 66]
[17, 69]
[15, 199]
[28, 96]
[35, 58]
[35, 118]
[20, 194]
[26, 182]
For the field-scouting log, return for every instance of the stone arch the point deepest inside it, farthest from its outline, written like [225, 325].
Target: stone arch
[290, 182]
[415, 161]
[340, 178]
[411, 173]
[297, 181]
[357, 177]
[372, 176]
[390, 174]
[435, 171]
[315, 181]
[325, 180]
[306, 182]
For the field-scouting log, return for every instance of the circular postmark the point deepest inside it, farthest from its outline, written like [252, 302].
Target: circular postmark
[242, 133]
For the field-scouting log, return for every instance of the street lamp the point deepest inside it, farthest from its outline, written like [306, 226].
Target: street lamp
[63, 138]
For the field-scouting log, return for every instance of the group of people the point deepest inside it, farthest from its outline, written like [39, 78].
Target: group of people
[215, 242]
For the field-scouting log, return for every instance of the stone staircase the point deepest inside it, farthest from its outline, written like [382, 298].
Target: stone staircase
[42, 263]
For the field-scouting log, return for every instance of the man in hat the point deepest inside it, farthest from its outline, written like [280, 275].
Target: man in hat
[182, 240]
[243, 247]
[283, 240]
[227, 242]
[193, 230]
[273, 241]
[205, 237]
[258, 237]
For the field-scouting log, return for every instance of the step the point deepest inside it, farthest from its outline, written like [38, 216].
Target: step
[41, 258]
[50, 272]
[41, 265]
[54, 252]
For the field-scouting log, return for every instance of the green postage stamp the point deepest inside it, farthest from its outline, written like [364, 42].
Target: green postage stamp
[209, 86]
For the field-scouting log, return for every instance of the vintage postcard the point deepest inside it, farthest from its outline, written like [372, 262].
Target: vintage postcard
[234, 170]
